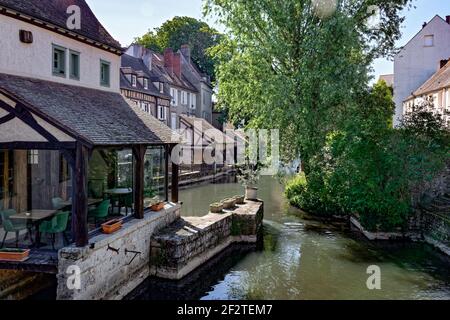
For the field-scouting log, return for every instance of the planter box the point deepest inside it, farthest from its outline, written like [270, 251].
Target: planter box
[228, 203]
[14, 254]
[111, 226]
[240, 199]
[216, 208]
[157, 207]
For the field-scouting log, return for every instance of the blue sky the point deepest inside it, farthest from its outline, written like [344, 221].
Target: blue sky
[128, 19]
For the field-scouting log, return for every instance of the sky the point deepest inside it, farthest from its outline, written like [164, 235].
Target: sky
[126, 20]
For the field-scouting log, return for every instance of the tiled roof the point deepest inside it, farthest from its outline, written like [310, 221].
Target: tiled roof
[438, 81]
[208, 129]
[98, 117]
[136, 65]
[160, 73]
[55, 12]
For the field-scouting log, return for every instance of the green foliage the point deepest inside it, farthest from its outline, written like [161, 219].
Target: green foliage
[185, 30]
[370, 169]
[286, 66]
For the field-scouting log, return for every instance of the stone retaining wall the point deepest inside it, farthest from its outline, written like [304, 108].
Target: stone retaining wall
[436, 231]
[105, 273]
[189, 242]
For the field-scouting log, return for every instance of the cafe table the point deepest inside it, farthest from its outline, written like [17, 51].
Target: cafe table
[36, 217]
[119, 192]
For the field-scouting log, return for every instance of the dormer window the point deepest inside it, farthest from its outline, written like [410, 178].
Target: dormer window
[133, 80]
[161, 87]
[145, 83]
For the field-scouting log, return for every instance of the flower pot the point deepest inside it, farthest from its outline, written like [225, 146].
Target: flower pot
[216, 208]
[239, 199]
[228, 204]
[251, 193]
[111, 226]
[20, 255]
[157, 207]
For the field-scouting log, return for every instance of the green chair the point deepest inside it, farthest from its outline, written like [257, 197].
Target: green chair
[127, 202]
[101, 212]
[58, 224]
[12, 226]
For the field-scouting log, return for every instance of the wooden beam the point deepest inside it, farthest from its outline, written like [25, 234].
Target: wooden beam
[18, 145]
[139, 156]
[7, 118]
[175, 180]
[80, 196]
[167, 151]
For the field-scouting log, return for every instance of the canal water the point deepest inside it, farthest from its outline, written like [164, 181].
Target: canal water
[302, 258]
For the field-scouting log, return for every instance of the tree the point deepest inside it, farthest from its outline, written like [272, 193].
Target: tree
[299, 65]
[185, 30]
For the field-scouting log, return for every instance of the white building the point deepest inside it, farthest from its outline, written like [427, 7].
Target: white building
[419, 60]
[435, 92]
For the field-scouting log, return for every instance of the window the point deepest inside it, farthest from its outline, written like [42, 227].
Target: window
[105, 76]
[133, 80]
[33, 157]
[174, 95]
[146, 108]
[74, 63]
[59, 61]
[193, 101]
[161, 87]
[429, 41]
[145, 83]
[184, 97]
[161, 113]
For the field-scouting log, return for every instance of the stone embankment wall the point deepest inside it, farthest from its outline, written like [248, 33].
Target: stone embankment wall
[113, 265]
[190, 242]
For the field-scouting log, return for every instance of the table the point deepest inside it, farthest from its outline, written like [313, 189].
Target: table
[119, 192]
[91, 202]
[36, 217]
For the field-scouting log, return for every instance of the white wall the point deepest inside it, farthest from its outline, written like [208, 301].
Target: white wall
[415, 63]
[35, 60]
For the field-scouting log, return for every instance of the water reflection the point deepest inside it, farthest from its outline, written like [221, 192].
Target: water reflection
[301, 258]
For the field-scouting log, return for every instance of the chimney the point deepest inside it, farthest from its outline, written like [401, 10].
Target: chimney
[147, 57]
[447, 18]
[186, 51]
[168, 60]
[424, 25]
[443, 63]
[177, 64]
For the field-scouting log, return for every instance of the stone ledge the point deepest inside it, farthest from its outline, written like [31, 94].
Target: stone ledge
[190, 242]
[384, 235]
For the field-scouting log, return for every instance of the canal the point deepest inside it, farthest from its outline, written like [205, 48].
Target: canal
[302, 258]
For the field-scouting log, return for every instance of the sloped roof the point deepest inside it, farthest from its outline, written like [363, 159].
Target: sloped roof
[208, 129]
[99, 118]
[438, 81]
[137, 64]
[388, 78]
[160, 73]
[55, 12]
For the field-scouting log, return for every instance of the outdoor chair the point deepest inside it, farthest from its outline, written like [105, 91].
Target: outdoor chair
[101, 212]
[12, 226]
[127, 202]
[58, 224]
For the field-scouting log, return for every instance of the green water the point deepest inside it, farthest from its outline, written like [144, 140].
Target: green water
[305, 259]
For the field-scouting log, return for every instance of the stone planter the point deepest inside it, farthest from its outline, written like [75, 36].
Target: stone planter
[251, 193]
[239, 199]
[157, 207]
[216, 208]
[228, 204]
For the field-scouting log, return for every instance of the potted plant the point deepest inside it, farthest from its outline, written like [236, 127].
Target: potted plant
[111, 226]
[229, 203]
[156, 204]
[216, 208]
[248, 175]
[239, 199]
[8, 254]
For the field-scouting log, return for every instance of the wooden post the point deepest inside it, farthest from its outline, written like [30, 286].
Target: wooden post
[80, 196]
[175, 174]
[20, 180]
[167, 151]
[139, 155]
